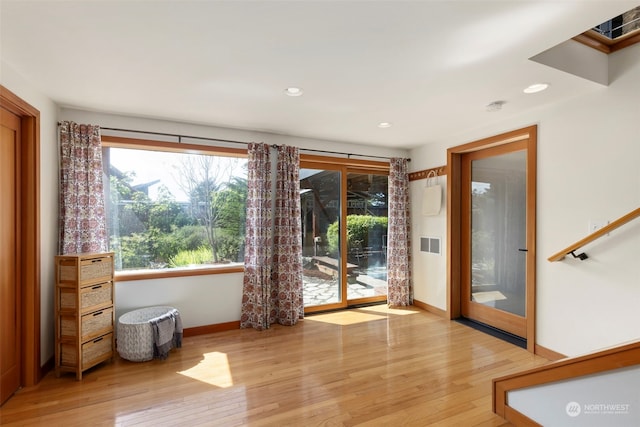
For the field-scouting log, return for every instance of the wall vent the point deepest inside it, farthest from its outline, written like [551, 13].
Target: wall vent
[431, 245]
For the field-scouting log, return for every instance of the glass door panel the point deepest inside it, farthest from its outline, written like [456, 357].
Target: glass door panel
[367, 196]
[320, 196]
[498, 232]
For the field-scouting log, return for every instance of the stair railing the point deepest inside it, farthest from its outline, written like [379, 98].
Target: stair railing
[571, 250]
[622, 356]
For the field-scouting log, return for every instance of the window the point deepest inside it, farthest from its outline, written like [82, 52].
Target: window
[179, 210]
[615, 34]
[620, 25]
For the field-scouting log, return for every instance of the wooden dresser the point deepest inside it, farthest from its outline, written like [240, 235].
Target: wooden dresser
[84, 311]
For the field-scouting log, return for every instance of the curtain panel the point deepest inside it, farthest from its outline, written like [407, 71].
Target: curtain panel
[287, 290]
[258, 240]
[400, 291]
[82, 218]
[272, 284]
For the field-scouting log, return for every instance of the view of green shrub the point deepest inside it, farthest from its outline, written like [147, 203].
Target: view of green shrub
[362, 231]
[202, 255]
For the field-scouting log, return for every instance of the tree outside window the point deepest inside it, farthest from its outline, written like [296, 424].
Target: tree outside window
[169, 210]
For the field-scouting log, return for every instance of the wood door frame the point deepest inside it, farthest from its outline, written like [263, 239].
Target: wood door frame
[28, 154]
[454, 221]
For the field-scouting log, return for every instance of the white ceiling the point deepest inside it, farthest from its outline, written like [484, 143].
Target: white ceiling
[428, 67]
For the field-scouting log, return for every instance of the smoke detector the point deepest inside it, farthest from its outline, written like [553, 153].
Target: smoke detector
[495, 106]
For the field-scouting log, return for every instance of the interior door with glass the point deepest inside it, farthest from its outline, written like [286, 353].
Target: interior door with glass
[494, 237]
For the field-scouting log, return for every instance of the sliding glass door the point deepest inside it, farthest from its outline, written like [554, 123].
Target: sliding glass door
[344, 235]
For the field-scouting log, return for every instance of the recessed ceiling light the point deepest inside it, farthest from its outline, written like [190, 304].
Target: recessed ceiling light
[293, 91]
[537, 87]
[384, 125]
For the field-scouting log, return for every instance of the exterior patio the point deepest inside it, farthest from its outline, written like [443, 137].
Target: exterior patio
[319, 291]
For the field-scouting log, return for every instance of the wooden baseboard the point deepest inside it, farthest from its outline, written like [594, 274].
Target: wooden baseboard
[548, 353]
[210, 329]
[48, 366]
[430, 308]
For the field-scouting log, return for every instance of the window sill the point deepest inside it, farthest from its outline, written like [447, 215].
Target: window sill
[125, 276]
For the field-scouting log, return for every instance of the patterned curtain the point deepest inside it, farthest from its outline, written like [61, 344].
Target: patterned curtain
[400, 292]
[82, 222]
[272, 287]
[258, 240]
[287, 305]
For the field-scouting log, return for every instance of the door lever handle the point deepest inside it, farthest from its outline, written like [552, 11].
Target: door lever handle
[523, 250]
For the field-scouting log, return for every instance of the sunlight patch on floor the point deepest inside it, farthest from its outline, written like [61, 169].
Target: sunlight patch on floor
[360, 315]
[344, 318]
[385, 309]
[213, 369]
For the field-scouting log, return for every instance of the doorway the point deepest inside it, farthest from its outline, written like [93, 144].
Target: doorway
[20, 246]
[492, 233]
[344, 211]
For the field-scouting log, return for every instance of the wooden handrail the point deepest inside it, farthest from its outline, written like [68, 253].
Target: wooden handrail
[595, 235]
[601, 361]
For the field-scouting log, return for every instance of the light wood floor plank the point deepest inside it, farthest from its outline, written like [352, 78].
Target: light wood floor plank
[371, 366]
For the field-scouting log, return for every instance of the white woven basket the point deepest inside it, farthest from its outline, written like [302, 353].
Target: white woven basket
[134, 333]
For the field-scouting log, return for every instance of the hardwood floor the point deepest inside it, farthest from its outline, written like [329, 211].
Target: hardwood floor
[371, 366]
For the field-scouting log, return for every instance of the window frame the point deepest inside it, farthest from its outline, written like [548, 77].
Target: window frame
[109, 141]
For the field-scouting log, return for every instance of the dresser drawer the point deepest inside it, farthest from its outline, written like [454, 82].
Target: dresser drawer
[92, 324]
[92, 297]
[85, 270]
[97, 350]
[91, 352]
[95, 323]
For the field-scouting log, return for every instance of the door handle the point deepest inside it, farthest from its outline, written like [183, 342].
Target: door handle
[523, 250]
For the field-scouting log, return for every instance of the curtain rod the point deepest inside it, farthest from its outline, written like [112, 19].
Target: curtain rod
[202, 138]
[349, 155]
[175, 135]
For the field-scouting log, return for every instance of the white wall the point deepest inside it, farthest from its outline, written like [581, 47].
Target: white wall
[201, 300]
[14, 82]
[588, 169]
[429, 270]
